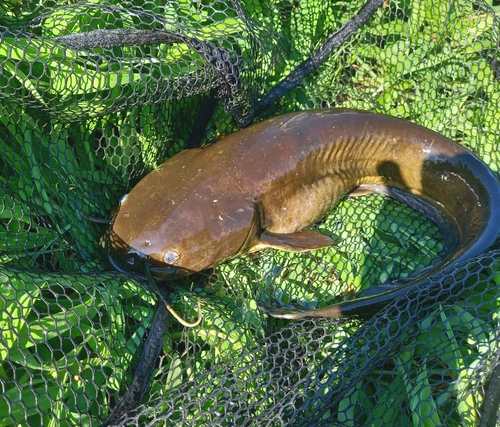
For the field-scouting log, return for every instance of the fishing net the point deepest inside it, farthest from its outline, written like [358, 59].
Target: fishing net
[79, 126]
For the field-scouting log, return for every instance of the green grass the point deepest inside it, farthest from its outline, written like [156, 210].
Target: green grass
[76, 136]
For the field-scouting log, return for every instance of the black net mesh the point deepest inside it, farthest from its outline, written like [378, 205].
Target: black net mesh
[79, 126]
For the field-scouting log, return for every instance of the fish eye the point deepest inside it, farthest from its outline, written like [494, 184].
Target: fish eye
[131, 260]
[170, 257]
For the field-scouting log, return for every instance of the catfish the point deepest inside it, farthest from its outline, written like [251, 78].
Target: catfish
[262, 187]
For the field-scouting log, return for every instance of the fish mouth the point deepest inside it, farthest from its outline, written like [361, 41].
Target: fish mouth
[161, 273]
[167, 272]
[129, 261]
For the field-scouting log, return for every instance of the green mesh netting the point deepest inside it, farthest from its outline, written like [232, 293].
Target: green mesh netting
[80, 126]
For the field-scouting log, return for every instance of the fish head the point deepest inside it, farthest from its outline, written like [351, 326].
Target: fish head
[175, 238]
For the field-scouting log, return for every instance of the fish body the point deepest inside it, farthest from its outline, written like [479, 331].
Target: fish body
[264, 185]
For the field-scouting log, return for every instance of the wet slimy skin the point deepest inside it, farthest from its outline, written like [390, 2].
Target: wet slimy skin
[264, 185]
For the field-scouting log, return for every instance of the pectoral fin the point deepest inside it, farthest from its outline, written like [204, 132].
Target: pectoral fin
[361, 190]
[302, 241]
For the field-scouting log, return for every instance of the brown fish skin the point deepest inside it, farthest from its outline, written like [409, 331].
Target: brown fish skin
[261, 186]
